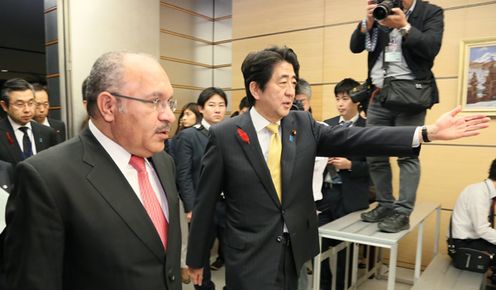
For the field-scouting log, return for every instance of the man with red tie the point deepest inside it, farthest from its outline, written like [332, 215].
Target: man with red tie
[100, 211]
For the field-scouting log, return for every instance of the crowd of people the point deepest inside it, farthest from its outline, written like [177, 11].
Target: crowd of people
[125, 205]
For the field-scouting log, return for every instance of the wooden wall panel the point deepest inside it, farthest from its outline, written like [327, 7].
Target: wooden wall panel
[308, 46]
[339, 61]
[185, 74]
[184, 23]
[256, 17]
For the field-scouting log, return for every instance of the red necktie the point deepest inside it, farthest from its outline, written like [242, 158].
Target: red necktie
[150, 200]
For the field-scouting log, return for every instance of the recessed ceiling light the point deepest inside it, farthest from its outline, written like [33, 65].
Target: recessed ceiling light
[4, 70]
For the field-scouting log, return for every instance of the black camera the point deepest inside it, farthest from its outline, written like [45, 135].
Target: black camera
[361, 94]
[384, 8]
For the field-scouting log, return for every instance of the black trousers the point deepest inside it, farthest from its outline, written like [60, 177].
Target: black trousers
[287, 277]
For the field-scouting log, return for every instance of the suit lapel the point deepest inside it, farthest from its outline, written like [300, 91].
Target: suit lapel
[11, 141]
[40, 140]
[115, 189]
[253, 152]
[289, 135]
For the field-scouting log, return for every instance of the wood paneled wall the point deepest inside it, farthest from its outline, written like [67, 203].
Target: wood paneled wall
[319, 32]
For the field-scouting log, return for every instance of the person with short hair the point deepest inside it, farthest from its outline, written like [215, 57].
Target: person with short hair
[42, 109]
[20, 137]
[303, 95]
[100, 211]
[263, 162]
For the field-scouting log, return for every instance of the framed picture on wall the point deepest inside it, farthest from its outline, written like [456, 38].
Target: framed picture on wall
[477, 76]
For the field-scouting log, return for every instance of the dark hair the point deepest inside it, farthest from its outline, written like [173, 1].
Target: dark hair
[259, 66]
[39, 87]
[492, 171]
[106, 75]
[345, 86]
[193, 107]
[14, 85]
[207, 93]
[244, 103]
[303, 88]
[83, 88]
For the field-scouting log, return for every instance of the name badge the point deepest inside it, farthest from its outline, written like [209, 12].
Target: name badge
[392, 53]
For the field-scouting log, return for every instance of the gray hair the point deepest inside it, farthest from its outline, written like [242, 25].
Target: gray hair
[106, 75]
[303, 87]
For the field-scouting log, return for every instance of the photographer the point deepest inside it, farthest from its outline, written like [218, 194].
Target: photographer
[401, 50]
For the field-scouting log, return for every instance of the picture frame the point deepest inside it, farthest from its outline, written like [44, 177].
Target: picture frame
[477, 76]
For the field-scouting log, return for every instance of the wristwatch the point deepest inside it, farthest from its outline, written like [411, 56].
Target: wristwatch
[425, 135]
[405, 29]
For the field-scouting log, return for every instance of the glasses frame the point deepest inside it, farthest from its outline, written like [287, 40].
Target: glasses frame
[171, 103]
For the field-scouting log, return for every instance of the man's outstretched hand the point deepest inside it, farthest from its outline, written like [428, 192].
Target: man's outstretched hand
[450, 126]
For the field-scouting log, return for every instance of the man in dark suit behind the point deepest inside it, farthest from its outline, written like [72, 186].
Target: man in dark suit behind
[42, 109]
[21, 138]
[271, 225]
[100, 211]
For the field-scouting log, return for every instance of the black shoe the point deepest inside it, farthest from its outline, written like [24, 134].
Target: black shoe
[395, 223]
[377, 214]
[217, 264]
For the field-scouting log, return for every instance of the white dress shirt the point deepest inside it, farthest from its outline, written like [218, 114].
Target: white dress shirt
[19, 135]
[121, 158]
[263, 134]
[471, 212]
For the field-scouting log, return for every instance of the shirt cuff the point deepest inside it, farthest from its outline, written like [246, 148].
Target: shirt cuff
[415, 141]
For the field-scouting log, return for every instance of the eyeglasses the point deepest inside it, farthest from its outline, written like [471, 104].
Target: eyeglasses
[22, 105]
[157, 103]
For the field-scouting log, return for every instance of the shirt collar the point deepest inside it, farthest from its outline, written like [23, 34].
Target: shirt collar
[353, 120]
[409, 11]
[16, 126]
[492, 189]
[259, 122]
[120, 155]
[205, 124]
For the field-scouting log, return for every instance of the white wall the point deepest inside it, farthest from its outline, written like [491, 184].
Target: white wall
[98, 26]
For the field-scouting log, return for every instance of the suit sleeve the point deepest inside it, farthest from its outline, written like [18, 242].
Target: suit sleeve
[34, 241]
[357, 41]
[209, 189]
[359, 168]
[183, 156]
[426, 44]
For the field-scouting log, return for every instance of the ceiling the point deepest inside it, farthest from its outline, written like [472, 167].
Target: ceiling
[22, 40]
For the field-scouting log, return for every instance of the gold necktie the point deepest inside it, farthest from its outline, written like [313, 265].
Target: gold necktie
[274, 159]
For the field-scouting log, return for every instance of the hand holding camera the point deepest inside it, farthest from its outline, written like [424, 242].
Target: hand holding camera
[388, 13]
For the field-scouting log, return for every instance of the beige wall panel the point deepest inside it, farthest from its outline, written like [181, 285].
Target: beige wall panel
[223, 29]
[222, 54]
[185, 96]
[184, 23]
[177, 47]
[256, 17]
[185, 74]
[202, 7]
[222, 77]
[463, 24]
[236, 96]
[446, 4]
[344, 11]
[307, 45]
[339, 61]
[222, 8]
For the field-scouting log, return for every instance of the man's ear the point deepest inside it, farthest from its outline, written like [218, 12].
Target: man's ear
[255, 90]
[4, 105]
[107, 106]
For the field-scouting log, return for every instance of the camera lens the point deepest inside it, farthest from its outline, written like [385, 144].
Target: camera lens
[380, 12]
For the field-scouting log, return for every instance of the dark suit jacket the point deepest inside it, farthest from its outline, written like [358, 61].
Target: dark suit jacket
[234, 164]
[10, 151]
[355, 185]
[6, 175]
[59, 127]
[189, 146]
[419, 48]
[74, 222]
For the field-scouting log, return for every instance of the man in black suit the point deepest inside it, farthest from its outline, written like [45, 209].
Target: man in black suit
[271, 222]
[346, 180]
[42, 109]
[21, 138]
[6, 175]
[402, 46]
[100, 211]
[189, 146]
